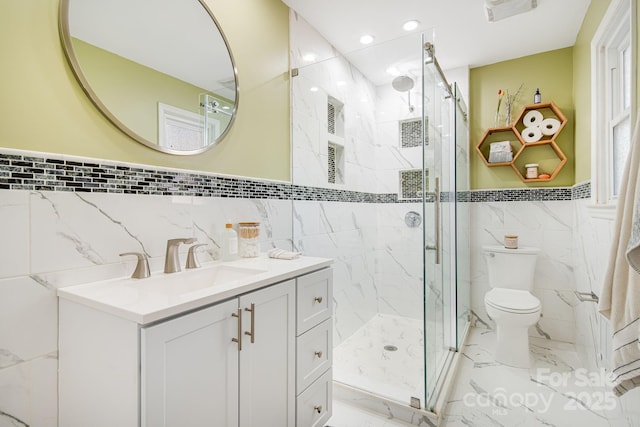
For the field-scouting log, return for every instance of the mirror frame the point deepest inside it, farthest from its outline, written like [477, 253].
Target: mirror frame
[67, 44]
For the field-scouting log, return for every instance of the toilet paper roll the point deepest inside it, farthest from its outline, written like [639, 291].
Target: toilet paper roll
[532, 134]
[550, 126]
[532, 118]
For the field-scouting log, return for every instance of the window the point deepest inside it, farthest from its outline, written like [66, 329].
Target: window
[613, 104]
[180, 129]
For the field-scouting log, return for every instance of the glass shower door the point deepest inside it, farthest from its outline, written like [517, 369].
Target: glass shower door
[438, 206]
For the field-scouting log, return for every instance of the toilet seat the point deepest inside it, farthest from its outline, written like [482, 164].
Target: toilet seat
[512, 301]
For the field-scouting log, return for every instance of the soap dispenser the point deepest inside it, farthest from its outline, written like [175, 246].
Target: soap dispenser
[229, 243]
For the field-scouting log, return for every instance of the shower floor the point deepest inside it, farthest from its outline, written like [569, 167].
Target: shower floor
[363, 362]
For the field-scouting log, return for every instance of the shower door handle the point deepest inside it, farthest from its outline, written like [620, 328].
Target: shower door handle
[437, 218]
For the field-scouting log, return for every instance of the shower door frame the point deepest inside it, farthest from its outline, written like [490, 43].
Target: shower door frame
[445, 268]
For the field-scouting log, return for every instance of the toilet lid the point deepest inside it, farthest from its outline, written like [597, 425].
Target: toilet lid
[512, 300]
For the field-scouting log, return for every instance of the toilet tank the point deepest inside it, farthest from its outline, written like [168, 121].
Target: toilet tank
[511, 268]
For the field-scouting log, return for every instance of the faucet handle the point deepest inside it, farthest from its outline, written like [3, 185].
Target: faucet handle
[192, 259]
[142, 267]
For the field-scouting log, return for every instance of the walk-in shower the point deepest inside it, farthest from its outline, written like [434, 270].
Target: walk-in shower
[381, 188]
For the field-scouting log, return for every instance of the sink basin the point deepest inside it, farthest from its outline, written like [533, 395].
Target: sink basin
[193, 280]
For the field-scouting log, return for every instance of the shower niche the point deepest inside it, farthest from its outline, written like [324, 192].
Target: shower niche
[410, 132]
[335, 141]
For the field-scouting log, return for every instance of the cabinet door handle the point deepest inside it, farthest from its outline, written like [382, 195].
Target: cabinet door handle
[252, 334]
[318, 354]
[318, 408]
[238, 314]
[318, 299]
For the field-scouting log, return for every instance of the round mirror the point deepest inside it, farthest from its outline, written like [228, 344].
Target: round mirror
[160, 70]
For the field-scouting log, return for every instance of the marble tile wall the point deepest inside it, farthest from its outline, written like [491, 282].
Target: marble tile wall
[548, 225]
[591, 245]
[378, 258]
[313, 86]
[593, 237]
[53, 239]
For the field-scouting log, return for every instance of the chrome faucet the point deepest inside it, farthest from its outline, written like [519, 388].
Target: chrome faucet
[172, 261]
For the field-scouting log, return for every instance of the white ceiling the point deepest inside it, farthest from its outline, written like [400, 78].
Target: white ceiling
[463, 37]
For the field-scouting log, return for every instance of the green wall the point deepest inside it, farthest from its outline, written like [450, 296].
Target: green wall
[485, 82]
[44, 109]
[552, 72]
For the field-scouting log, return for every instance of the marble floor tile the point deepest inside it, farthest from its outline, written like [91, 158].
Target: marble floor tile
[345, 415]
[555, 391]
[384, 357]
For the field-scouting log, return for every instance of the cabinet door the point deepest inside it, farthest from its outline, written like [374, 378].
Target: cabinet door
[267, 365]
[190, 370]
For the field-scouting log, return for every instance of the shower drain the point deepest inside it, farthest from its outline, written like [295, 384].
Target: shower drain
[391, 348]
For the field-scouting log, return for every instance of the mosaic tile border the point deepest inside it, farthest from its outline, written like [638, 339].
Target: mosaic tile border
[581, 191]
[29, 172]
[522, 195]
[45, 172]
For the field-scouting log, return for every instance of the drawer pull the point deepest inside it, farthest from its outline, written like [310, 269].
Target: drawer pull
[318, 354]
[239, 339]
[318, 299]
[318, 408]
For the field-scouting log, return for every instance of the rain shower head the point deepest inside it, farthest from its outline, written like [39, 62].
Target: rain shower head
[403, 83]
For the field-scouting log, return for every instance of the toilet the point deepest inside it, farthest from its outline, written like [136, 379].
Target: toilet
[510, 302]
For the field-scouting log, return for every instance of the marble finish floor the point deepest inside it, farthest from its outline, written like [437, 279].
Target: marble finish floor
[555, 391]
[362, 361]
[346, 415]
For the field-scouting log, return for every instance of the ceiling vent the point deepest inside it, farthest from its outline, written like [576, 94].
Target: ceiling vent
[501, 9]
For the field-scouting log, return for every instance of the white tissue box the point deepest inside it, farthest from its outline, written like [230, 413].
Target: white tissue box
[500, 152]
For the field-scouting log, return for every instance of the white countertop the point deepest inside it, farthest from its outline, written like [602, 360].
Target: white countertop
[149, 300]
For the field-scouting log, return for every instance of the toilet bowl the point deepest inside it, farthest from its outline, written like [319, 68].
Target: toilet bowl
[509, 302]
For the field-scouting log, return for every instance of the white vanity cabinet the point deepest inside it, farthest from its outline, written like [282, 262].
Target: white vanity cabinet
[232, 363]
[194, 374]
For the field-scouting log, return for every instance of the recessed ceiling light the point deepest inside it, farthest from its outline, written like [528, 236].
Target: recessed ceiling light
[341, 83]
[393, 71]
[366, 39]
[410, 25]
[314, 89]
[309, 57]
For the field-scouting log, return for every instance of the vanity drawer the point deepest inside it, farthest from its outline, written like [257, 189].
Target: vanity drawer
[313, 406]
[314, 354]
[314, 297]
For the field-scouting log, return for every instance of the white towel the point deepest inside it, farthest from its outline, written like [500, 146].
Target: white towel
[282, 254]
[620, 298]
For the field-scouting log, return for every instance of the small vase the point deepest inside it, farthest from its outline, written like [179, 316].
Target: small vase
[507, 119]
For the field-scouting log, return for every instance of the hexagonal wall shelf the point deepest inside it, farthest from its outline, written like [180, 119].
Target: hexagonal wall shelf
[532, 138]
[498, 135]
[547, 154]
